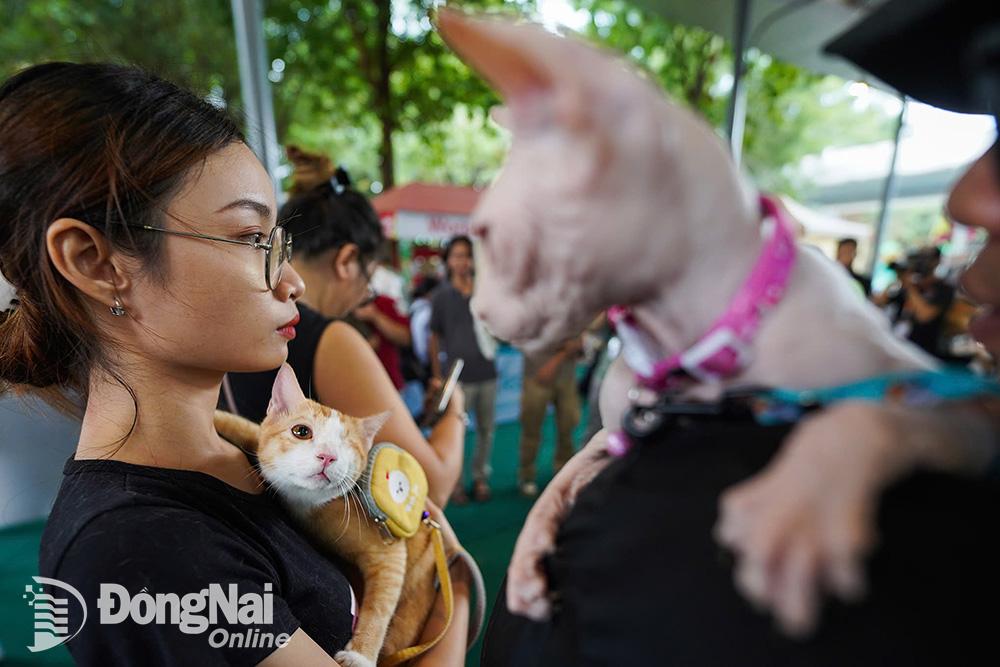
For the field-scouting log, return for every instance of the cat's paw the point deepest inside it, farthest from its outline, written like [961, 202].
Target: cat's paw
[353, 659]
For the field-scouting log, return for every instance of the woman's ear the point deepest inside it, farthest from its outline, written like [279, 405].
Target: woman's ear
[345, 260]
[83, 256]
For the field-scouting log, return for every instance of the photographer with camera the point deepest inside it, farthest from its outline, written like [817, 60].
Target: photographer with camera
[917, 303]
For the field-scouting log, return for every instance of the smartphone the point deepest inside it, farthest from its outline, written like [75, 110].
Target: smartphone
[440, 403]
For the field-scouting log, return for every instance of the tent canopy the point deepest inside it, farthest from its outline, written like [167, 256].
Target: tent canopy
[427, 198]
[791, 30]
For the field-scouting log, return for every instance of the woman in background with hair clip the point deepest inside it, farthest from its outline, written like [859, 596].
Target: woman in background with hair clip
[337, 235]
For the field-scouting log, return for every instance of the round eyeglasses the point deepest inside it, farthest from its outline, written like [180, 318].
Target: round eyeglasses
[277, 250]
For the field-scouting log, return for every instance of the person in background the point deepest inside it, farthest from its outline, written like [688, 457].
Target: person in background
[454, 335]
[847, 252]
[549, 380]
[420, 319]
[389, 331]
[918, 303]
[337, 237]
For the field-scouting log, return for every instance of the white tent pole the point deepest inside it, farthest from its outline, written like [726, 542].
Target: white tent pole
[255, 88]
[887, 190]
[737, 112]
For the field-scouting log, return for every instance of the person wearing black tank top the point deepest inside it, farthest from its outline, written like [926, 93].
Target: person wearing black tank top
[337, 236]
[140, 235]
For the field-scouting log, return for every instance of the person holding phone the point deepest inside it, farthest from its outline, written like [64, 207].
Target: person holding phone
[454, 335]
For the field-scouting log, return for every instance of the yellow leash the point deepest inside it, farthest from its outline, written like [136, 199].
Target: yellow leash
[441, 562]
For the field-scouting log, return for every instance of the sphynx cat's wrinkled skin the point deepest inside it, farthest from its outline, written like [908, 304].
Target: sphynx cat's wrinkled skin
[610, 195]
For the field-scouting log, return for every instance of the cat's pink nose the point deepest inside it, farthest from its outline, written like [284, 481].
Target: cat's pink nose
[327, 459]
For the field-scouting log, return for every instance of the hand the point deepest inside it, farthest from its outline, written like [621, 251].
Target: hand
[573, 347]
[366, 313]
[546, 375]
[527, 588]
[451, 543]
[457, 403]
[806, 523]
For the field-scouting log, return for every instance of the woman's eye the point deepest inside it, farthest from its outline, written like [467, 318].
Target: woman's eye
[302, 432]
[253, 237]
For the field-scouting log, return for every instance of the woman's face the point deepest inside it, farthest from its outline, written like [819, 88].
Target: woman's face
[975, 201]
[214, 311]
[338, 280]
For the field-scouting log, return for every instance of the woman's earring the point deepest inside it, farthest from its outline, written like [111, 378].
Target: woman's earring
[118, 310]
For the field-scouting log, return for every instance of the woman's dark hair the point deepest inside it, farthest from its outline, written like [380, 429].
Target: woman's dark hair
[108, 145]
[454, 241]
[331, 215]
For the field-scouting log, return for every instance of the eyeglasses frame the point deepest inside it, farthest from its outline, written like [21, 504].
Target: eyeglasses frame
[267, 247]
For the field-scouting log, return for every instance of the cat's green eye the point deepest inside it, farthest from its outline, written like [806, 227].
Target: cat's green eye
[302, 432]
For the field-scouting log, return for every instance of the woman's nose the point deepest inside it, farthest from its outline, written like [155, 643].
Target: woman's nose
[291, 286]
[975, 198]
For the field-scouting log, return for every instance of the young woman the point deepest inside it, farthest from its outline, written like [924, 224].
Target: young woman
[139, 233]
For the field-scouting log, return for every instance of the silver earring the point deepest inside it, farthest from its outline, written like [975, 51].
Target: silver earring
[118, 310]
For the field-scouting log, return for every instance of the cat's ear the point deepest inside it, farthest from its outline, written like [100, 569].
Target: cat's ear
[538, 74]
[370, 426]
[286, 394]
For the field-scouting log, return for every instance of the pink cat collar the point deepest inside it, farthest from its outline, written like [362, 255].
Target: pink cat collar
[724, 351]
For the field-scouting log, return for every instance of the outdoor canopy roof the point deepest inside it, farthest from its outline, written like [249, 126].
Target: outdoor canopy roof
[791, 30]
[427, 198]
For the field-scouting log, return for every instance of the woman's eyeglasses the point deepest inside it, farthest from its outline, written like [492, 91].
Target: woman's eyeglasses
[277, 250]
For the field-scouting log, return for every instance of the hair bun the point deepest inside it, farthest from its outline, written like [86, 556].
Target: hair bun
[341, 180]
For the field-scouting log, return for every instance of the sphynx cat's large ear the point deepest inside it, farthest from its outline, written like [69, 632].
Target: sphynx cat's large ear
[286, 394]
[533, 70]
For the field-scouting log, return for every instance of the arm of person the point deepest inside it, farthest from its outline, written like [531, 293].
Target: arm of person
[300, 650]
[882, 298]
[820, 494]
[434, 353]
[395, 331]
[451, 650]
[923, 310]
[570, 350]
[349, 377]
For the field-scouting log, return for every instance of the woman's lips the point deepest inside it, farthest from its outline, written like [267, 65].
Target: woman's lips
[288, 330]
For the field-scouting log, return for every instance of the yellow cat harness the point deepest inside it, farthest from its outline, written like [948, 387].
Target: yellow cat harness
[394, 491]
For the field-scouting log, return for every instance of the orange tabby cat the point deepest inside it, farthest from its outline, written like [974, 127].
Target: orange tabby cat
[313, 456]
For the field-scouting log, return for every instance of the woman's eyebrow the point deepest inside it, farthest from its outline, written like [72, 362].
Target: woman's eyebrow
[260, 208]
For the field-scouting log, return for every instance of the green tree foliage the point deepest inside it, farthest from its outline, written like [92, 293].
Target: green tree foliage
[791, 112]
[371, 83]
[188, 41]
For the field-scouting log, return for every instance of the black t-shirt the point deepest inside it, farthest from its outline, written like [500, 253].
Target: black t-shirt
[252, 391]
[642, 581]
[451, 320]
[927, 335]
[167, 531]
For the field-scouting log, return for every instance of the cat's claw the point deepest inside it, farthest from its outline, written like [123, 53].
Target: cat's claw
[353, 659]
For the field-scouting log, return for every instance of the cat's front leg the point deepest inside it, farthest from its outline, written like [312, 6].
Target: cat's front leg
[383, 570]
[352, 659]
[241, 432]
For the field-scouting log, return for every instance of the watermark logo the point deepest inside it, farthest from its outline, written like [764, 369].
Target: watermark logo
[52, 613]
[193, 613]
